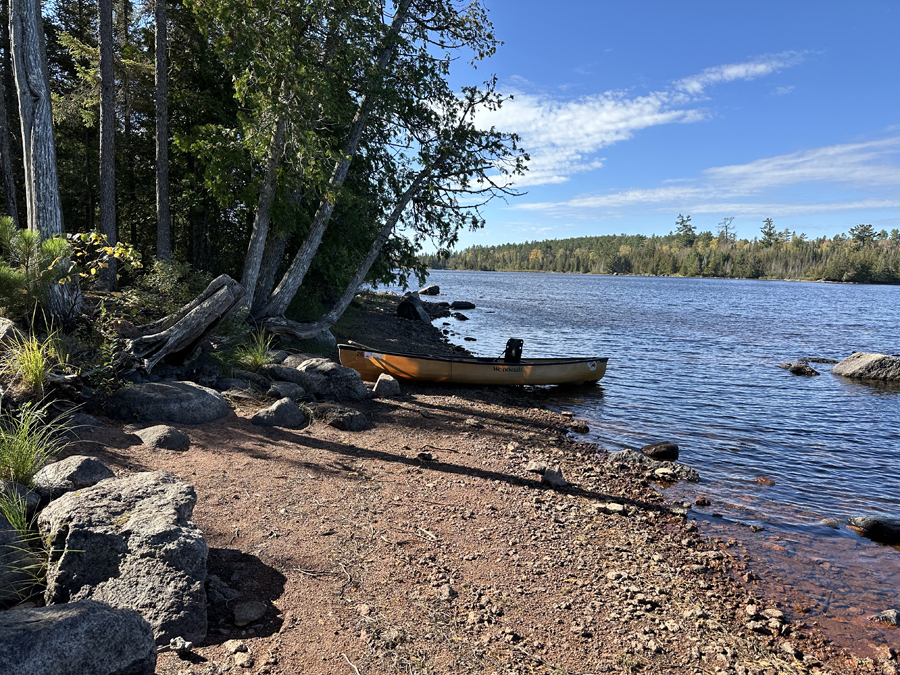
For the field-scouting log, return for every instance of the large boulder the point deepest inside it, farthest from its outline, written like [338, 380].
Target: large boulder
[661, 452]
[175, 402]
[70, 474]
[129, 542]
[431, 289]
[283, 413]
[869, 367]
[883, 530]
[411, 307]
[327, 379]
[462, 304]
[75, 639]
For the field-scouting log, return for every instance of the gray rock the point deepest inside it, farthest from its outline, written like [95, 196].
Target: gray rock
[661, 452]
[276, 355]
[175, 402]
[164, 437]
[80, 423]
[226, 383]
[256, 379]
[248, 612]
[890, 617]
[283, 374]
[295, 360]
[411, 308]
[633, 460]
[286, 390]
[78, 638]
[283, 413]
[326, 379]
[9, 333]
[18, 566]
[801, 369]
[462, 304]
[869, 367]
[536, 467]
[386, 386]
[554, 478]
[340, 417]
[883, 530]
[129, 542]
[431, 289]
[69, 474]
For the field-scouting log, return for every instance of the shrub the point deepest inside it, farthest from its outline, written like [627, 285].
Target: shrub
[28, 360]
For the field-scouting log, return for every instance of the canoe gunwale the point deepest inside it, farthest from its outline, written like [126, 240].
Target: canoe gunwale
[479, 360]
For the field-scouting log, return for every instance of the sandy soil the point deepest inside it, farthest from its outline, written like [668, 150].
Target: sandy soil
[423, 545]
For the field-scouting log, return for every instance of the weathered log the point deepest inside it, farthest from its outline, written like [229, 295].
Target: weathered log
[177, 336]
[278, 325]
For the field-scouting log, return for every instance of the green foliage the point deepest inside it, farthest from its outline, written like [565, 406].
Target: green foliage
[835, 259]
[684, 230]
[28, 440]
[168, 286]
[28, 267]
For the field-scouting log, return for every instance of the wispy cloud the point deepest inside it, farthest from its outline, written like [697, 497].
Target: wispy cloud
[695, 85]
[563, 137]
[783, 91]
[751, 189]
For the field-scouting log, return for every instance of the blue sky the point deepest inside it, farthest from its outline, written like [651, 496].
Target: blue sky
[634, 112]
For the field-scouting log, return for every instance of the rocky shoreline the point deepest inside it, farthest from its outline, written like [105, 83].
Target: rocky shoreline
[456, 530]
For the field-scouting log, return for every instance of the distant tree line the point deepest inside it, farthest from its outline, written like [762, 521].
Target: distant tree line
[862, 256]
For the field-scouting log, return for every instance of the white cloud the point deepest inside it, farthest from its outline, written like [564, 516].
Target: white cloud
[783, 91]
[749, 70]
[563, 136]
[752, 188]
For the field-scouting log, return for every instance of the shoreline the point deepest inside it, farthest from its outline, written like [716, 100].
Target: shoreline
[424, 544]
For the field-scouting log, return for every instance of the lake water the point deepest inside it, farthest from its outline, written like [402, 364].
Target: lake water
[695, 361]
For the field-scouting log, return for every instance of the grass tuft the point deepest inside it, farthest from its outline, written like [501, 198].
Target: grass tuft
[27, 442]
[254, 353]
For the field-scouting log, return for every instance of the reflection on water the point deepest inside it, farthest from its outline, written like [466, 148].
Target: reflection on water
[695, 361]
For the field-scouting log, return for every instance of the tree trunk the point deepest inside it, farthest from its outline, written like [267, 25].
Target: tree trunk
[107, 140]
[163, 219]
[6, 163]
[263, 217]
[305, 331]
[268, 269]
[29, 56]
[287, 288]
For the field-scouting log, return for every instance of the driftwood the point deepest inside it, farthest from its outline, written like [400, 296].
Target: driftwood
[278, 325]
[177, 336]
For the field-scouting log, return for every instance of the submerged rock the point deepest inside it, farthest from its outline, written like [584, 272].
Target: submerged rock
[883, 530]
[632, 459]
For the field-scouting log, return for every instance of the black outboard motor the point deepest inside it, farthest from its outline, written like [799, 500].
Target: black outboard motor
[513, 351]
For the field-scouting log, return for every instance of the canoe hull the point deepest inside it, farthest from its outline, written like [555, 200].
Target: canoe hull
[474, 371]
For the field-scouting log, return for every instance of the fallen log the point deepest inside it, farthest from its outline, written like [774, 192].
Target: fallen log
[177, 337]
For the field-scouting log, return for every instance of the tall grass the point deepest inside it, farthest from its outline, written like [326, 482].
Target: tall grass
[253, 353]
[24, 568]
[28, 360]
[27, 442]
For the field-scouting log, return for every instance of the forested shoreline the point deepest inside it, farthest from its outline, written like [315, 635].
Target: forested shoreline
[862, 256]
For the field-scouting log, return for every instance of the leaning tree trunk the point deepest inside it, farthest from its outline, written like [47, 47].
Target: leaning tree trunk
[29, 57]
[263, 216]
[305, 331]
[287, 288]
[179, 335]
[268, 269]
[163, 219]
[107, 141]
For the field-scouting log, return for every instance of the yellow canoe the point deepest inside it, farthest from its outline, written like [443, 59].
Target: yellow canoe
[370, 363]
